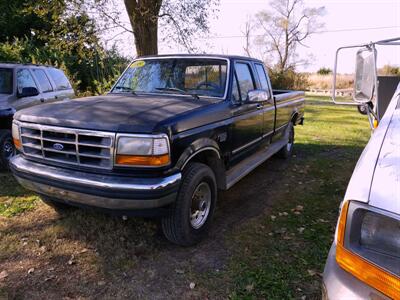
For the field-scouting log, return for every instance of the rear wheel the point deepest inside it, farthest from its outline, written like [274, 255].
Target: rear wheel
[194, 207]
[362, 109]
[6, 148]
[287, 150]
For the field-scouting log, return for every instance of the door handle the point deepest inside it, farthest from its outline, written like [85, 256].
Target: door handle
[259, 106]
[42, 100]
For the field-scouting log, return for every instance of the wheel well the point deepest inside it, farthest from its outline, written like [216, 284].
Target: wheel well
[212, 159]
[294, 118]
[6, 122]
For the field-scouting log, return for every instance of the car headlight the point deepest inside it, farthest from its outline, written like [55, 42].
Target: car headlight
[16, 136]
[368, 246]
[141, 150]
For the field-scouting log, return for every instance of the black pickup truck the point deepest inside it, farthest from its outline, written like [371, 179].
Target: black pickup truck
[172, 132]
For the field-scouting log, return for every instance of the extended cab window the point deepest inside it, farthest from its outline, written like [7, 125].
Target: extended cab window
[6, 81]
[24, 80]
[246, 82]
[61, 81]
[263, 78]
[44, 82]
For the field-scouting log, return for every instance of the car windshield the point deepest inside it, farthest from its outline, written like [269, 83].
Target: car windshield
[5, 81]
[192, 76]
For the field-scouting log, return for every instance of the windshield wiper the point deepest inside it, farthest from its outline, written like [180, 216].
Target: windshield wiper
[125, 89]
[174, 89]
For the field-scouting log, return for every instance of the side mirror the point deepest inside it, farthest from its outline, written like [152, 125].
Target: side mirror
[365, 75]
[256, 96]
[28, 92]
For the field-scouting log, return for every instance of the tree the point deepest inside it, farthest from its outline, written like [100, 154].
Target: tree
[324, 71]
[176, 21]
[286, 26]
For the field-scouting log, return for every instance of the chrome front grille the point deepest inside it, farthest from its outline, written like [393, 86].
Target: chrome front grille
[71, 146]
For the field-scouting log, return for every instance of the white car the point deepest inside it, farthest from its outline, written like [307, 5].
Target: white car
[364, 260]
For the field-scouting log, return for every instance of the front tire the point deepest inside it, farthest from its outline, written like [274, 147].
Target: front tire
[7, 149]
[193, 210]
[287, 150]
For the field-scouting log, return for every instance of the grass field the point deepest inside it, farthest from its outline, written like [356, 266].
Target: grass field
[270, 239]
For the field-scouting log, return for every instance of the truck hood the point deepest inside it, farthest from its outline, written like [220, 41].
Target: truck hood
[117, 113]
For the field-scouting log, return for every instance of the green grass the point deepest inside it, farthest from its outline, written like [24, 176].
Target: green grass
[14, 200]
[281, 254]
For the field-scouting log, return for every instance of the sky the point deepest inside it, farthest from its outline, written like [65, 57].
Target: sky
[347, 22]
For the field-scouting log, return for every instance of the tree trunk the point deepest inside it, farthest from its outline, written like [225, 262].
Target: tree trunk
[143, 15]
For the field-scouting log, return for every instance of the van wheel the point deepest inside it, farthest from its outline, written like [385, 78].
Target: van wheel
[287, 150]
[362, 109]
[6, 148]
[191, 217]
[59, 207]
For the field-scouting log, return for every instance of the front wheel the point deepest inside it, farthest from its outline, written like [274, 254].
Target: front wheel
[287, 150]
[6, 148]
[190, 219]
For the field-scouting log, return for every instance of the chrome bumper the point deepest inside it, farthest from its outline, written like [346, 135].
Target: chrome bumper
[339, 284]
[105, 191]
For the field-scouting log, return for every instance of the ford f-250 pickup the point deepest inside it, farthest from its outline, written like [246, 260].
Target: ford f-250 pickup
[172, 132]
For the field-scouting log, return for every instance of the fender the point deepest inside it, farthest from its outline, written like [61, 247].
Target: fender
[198, 146]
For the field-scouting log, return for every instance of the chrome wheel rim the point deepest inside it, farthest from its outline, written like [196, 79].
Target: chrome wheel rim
[201, 204]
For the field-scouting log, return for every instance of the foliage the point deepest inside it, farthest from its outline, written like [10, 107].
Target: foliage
[179, 23]
[324, 71]
[288, 79]
[62, 39]
[389, 70]
[285, 27]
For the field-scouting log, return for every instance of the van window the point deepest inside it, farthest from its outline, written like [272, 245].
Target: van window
[61, 81]
[245, 78]
[44, 82]
[24, 80]
[6, 81]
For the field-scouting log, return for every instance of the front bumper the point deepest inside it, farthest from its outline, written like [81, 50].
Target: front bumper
[96, 190]
[339, 284]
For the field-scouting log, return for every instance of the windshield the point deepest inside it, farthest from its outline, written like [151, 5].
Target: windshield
[5, 81]
[194, 76]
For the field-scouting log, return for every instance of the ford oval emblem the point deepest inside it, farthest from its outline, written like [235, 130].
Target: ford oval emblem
[58, 146]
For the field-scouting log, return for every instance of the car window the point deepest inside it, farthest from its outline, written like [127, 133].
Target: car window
[235, 90]
[263, 78]
[44, 82]
[24, 80]
[246, 82]
[6, 81]
[59, 78]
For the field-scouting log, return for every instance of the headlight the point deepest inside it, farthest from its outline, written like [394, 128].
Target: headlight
[138, 150]
[16, 136]
[368, 246]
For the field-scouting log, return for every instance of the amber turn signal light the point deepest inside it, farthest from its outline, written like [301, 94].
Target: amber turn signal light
[137, 160]
[17, 143]
[365, 271]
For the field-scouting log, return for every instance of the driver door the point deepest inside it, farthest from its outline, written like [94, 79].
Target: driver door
[25, 79]
[247, 128]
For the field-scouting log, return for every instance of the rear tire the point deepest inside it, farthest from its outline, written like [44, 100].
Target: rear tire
[7, 149]
[287, 150]
[362, 109]
[193, 210]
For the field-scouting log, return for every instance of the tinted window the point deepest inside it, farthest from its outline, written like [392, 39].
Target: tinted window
[24, 79]
[263, 78]
[5, 81]
[44, 82]
[170, 75]
[235, 90]
[245, 79]
[59, 79]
